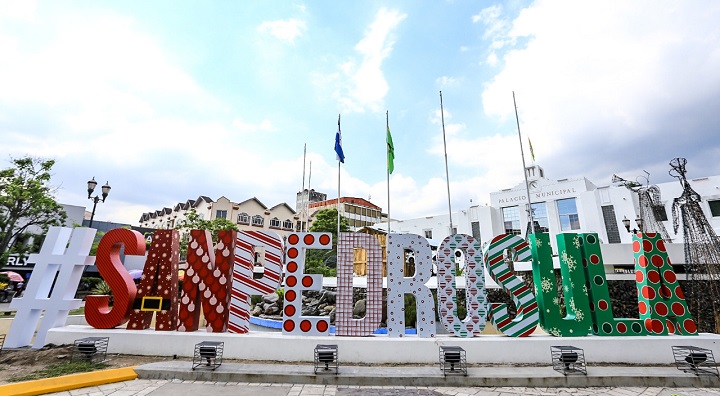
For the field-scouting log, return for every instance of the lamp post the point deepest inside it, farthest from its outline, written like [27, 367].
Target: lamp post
[91, 187]
[638, 221]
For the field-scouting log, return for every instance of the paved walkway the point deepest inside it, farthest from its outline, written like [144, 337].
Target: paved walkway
[178, 387]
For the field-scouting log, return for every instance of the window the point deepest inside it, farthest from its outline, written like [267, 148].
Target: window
[611, 226]
[539, 212]
[274, 222]
[221, 214]
[428, 234]
[511, 219]
[567, 211]
[659, 212]
[243, 218]
[258, 220]
[714, 207]
[475, 225]
[287, 224]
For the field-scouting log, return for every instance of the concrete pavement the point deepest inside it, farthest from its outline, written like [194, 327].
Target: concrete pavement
[178, 387]
[430, 375]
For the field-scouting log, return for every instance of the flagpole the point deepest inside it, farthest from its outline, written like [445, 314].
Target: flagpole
[387, 168]
[338, 202]
[338, 198]
[447, 173]
[522, 154]
[307, 204]
[302, 192]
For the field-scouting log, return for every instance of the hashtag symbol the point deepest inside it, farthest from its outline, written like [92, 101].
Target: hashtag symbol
[44, 291]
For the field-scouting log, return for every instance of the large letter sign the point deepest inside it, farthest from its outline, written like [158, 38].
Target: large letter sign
[604, 323]
[526, 318]
[661, 300]
[296, 281]
[475, 295]
[244, 285]
[97, 312]
[158, 289]
[577, 322]
[346, 325]
[220, 280]
[40, 294]
[398, 285]
[207, 279]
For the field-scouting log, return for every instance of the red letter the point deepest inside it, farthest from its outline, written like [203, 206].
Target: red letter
[108, 263]
[159, 283]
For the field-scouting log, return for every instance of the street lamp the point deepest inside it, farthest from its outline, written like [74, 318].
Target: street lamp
[105, 191]
[638, 221]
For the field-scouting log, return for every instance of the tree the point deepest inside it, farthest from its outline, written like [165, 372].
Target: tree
[193, 221]
[326, 221]
[27, 205]
[325, 261]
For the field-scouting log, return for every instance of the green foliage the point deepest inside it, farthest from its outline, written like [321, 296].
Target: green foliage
[58, 369]
[255, 299]
[326, 221]
[324, 262]
[193, 221]
[101, 289]
[315, 263]
[410, 311]
[88, 283]
[96, 242]
[26, 201]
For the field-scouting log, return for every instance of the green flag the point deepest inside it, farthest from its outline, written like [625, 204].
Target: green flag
[390, 152]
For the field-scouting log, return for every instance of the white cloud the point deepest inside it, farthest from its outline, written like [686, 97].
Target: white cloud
[496, 30]
[264, 126]
[285, 30]
[18, 9]
[361, 83]
[450, 128]
[596, 79]
[447, 81]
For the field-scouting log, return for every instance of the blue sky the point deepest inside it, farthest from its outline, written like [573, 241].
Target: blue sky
[169, 100]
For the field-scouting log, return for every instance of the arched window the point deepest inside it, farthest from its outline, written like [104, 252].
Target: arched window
[258, 220]
[274, 222]
[243, 218]
[287, 224]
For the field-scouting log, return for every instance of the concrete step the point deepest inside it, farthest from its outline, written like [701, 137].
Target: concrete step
[395, 375]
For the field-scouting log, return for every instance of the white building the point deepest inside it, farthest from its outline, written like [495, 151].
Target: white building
[567, 205]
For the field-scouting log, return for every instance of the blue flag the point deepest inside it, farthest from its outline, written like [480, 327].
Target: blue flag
[338, 144]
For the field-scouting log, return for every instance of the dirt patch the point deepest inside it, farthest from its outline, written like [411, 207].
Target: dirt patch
[23, 361]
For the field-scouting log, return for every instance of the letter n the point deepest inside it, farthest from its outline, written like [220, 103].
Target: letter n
[207, 281]
[158, 289]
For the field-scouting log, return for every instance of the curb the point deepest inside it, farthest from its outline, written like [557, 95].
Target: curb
[68, 382]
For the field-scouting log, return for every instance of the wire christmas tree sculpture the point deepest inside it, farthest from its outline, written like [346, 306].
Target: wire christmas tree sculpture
[702, 253]
[652, 210]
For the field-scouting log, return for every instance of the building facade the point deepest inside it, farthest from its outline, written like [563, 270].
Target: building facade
[568, 205]
[359, 212]
[250, 214]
